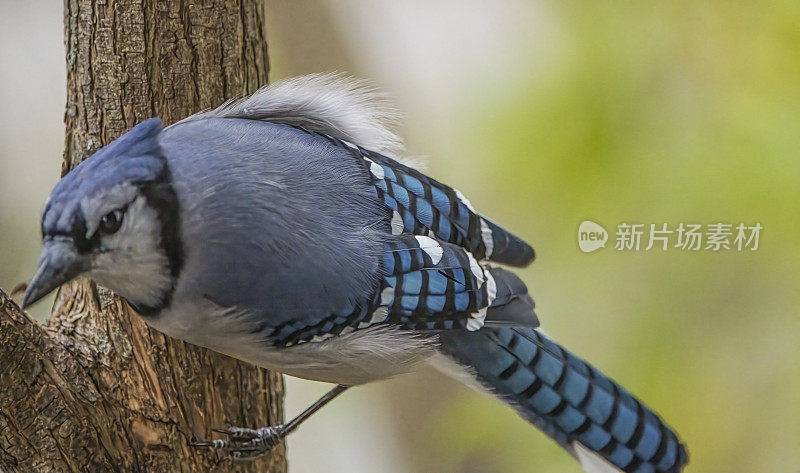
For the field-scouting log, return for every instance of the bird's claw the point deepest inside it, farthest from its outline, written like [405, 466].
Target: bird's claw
[243, 443]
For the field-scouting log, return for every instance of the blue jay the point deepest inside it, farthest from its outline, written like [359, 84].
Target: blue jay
[283, 229]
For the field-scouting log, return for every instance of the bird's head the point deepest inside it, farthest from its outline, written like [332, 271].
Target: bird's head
[114, 218]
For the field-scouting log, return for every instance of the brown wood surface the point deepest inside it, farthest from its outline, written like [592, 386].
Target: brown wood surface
[94, 389]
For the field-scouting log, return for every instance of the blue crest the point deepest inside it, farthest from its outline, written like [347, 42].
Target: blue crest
[134, 157]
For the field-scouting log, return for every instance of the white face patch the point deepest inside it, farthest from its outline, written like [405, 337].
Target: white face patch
[130, 262]
[431, 247]
[95, 206]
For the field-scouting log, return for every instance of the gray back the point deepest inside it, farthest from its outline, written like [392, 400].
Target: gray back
[273, 217]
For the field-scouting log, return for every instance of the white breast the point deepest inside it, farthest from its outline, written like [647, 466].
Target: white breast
[357, 357]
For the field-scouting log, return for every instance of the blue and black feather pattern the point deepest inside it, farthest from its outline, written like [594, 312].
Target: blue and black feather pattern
[567, 398]
[427, 285]
[428, 207]
[301, 329]
[431, 285]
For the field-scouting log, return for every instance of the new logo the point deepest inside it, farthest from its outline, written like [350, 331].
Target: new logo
[591, 236]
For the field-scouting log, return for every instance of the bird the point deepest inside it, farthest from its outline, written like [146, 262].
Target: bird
[286, 229]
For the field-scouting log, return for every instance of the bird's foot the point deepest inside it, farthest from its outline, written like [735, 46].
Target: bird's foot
[243, 443]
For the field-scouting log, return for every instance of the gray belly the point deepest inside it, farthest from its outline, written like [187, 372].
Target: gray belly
[358, 357]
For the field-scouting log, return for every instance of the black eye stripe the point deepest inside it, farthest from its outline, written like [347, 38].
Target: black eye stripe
[78, 235]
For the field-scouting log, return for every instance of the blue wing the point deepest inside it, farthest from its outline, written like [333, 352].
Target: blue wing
[430, 285]
[425, 206]
[425, 285]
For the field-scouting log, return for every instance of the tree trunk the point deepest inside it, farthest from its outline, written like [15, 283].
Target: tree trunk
[95, 389]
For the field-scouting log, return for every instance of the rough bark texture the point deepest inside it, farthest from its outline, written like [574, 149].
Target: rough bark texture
[95, 389]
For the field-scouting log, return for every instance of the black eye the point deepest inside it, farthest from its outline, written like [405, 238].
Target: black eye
[111, 222]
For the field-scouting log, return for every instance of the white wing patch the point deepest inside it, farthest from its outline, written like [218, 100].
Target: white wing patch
[380, 314]
[464, 200]
[491, 286]
[486, 232]
[387, 296]
[592, 462]
[476, 319]
[483, 276]
[488, 239]
[375, 169]
[476, 269]
[431, 247]
[397, 223]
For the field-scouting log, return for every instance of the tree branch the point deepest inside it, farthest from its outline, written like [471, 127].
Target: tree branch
[95, 389]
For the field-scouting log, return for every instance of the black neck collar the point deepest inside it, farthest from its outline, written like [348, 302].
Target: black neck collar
[160, 195]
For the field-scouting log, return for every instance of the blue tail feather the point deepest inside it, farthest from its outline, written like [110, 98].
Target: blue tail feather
[568, 399]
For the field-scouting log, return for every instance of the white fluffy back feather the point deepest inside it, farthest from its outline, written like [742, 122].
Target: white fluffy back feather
[332, 104]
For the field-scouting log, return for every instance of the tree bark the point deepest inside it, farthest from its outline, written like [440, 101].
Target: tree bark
[94, 389]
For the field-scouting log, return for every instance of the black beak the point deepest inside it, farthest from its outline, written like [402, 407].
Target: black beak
[59, 263]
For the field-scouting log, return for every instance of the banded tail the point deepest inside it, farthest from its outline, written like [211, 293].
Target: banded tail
[588, 414]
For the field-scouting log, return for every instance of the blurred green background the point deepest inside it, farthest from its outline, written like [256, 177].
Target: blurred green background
[545, 114]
